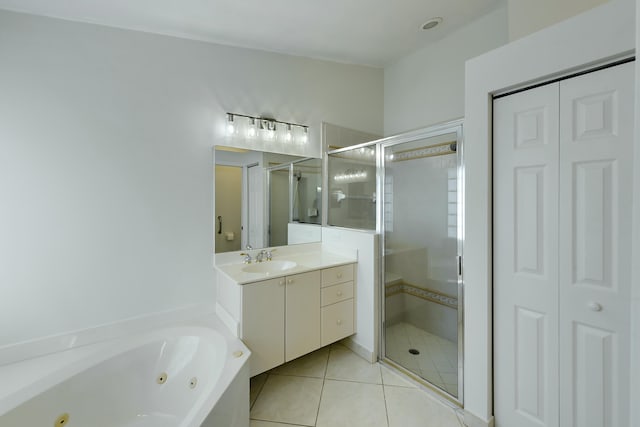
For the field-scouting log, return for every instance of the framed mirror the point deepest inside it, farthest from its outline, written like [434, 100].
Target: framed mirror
[260, 196]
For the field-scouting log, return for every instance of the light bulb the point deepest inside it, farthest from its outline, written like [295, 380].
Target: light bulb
[252, 131]
[288, 136]
[230, 126]
[305, 135]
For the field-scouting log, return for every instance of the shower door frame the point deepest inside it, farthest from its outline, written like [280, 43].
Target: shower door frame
[455, 126]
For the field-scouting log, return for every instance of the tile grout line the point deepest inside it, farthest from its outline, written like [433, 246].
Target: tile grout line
[324, 377]
[257, 395]
[384, 395]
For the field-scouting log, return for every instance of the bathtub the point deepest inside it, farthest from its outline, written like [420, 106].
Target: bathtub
[184, 376]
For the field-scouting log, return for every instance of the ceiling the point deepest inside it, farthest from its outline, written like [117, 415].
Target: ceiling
[369, 32]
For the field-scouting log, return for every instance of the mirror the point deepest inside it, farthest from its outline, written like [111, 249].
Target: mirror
[261, 196]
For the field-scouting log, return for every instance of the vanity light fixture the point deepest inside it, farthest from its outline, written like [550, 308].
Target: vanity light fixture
[266, 129]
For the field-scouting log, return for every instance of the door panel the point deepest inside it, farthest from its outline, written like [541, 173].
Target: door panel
[596, 115]
[525, 262]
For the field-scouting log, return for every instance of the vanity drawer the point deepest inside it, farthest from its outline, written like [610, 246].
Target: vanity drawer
[337, 321]
[334, 275]
[336, 293]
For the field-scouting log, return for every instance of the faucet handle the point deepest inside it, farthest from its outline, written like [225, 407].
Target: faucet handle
[247, 258]
[249, 247]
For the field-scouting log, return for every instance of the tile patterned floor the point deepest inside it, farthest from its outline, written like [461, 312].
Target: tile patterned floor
[333, 387]
[438, 358]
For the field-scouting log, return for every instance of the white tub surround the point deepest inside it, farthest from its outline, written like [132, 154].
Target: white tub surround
[284, 314]
[166, 377]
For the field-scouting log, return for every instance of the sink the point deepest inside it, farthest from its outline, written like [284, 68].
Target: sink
[269, 267]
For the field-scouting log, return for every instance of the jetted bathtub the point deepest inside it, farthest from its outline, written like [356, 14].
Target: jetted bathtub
[174, 377]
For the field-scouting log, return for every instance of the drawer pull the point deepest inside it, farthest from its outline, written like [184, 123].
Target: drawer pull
[339, 322]
[281, 282]
[339, 275]
[289, 281]
[339, 293]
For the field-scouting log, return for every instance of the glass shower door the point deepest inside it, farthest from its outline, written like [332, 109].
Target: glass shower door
[421, 231]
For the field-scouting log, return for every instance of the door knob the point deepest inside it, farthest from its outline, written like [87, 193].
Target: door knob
[594, 306]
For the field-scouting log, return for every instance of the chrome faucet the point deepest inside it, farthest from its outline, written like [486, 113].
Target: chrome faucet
[261, 255]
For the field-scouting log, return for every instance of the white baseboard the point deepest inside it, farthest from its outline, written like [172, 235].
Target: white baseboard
[471, 420]
[361, 351]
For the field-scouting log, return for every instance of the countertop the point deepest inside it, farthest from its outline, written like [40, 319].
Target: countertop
[306, 261]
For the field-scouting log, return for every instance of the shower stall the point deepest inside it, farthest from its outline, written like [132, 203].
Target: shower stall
[409, 189]
[420, 222]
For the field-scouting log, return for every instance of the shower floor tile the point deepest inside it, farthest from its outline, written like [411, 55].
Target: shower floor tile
[437, 361]
[353, 393]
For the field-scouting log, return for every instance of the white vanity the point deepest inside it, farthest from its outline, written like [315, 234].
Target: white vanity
[300, 301]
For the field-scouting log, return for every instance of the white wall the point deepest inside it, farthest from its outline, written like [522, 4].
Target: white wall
[609, 32]
[526, 17]
[106, 177]
[427, 87]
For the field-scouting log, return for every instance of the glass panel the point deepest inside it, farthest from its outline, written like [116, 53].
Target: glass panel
[278, 206]
[307, 191]
[420, 258]
[352, 188]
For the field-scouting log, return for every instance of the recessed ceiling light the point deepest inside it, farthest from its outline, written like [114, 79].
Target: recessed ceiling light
[433, 22]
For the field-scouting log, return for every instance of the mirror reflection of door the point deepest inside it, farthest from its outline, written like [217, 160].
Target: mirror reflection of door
[228, 208]
[278, 206]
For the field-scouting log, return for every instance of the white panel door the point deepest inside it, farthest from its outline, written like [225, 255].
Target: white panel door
[596, 143]
[525, 239]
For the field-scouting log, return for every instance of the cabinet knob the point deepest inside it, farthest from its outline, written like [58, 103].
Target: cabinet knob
[339, 293]
[594, 306]
[281, 282]
[339, 275]
[289, 281]
[339, 322]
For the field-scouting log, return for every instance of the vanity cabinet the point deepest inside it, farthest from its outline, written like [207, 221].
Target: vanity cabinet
[302, 314]
[287, 317]
[337, 300]
[263, 323]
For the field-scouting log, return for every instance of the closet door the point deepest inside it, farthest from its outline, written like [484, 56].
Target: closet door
[596, 143]
[525, 217]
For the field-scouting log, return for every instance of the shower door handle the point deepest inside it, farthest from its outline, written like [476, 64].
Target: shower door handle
[459, 265]
[219, 224]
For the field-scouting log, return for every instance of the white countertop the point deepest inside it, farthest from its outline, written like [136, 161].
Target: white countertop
[306, 261]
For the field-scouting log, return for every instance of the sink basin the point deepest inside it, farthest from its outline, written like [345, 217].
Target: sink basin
[269, 267]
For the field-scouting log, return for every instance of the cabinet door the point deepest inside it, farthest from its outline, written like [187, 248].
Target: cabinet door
[263, 323]
[302, 314]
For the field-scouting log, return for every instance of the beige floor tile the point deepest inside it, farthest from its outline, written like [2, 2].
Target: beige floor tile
[349, 404]
[257, 423]
[288, 399]
[390, 377]
[408, 407]
[346, 365]
[256, 385]
[311, 365]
